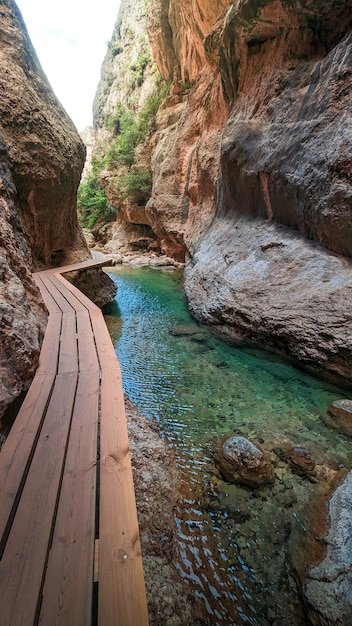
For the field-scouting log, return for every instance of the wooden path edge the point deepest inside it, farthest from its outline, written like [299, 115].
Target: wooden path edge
[78, 381]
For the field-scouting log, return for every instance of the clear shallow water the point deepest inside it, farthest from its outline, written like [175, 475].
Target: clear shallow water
[233, 544]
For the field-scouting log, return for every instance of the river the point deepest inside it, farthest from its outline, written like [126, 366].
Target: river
[234, 545]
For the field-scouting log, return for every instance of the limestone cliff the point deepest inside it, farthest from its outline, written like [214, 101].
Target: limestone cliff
[46, 152]
[124, 110]
[255, 131]
[41, 158]
[22, 315]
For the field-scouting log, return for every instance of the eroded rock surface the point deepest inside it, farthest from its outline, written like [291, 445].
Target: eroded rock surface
[95, 284]
[257, 125]
[339, 416]
[328, 590]
[301, 460]
[41, 158]
[261, 282]
[45, 149]
[22, 314]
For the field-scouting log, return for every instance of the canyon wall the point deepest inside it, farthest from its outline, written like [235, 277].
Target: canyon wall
[286, 156]
[251, 170]
[41, 159]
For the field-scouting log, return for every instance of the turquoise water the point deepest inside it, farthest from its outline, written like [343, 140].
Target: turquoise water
[199, 388]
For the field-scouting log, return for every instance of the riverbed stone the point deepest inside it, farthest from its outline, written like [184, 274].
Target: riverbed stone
[328, 589]
[339, 416]
[241, 461]
[301, 461]
[188, 330]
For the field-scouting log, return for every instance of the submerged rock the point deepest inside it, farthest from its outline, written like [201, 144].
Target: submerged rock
[328, 590]
[300, 460]
[188, 330]
[240, 461]
[339, 416]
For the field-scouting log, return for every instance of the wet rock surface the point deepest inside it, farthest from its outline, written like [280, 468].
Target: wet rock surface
[301, 460]
[240, 461]
[339, 416]
[328, 589]
[170, 600]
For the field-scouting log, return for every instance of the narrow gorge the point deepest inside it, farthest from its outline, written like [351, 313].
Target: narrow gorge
[221, 147]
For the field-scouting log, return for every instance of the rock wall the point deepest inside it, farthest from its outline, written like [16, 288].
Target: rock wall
[41, 159]
[129, 77]
[185, 162]
[256, 131]
[262, 136]
[22, 314]
[286, 149]
[46, 152]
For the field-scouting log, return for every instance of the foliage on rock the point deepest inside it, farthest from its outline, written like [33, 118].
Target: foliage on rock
[129, 95]
[92, 203]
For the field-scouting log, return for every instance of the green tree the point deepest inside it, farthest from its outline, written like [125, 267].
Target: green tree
[92, 202]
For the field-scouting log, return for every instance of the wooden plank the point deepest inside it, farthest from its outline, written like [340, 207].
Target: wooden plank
[68, 356]
[25, 555]
[83, 265]
[57, 281]
[96, 561]
[55, 293]
[49, 301]
[106, 352]
[68, 588]
[79, 295]
[121, 591]
[87, 351]
[49, 354]
[18, 449]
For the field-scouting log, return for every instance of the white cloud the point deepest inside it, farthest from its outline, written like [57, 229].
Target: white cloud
[70, 40]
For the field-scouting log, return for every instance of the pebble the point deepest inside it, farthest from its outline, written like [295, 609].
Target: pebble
[241, 542]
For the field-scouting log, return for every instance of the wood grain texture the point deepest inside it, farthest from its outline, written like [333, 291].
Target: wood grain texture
[49, 301]
[18, 449]
[90, 306]
[70, 297]
[55, 294]
[68, 357]
[49, 354]
[25, 555]
[87, 352]
[68, 588]
[122, 598]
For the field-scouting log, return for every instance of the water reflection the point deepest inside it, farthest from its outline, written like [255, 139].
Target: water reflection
[233, 543]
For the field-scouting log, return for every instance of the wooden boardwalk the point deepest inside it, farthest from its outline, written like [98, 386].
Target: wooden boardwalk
[69, 538]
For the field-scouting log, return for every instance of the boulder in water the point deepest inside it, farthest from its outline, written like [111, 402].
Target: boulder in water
[300, 460]
[339, 416]
[242, 462]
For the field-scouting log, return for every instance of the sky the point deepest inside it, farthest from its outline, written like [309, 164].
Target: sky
[70, 38]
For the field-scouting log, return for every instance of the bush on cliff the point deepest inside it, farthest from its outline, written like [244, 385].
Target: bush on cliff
[136, 184]
[92, 203]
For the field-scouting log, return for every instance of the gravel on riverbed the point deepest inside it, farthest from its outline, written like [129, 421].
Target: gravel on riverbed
[170, 601]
